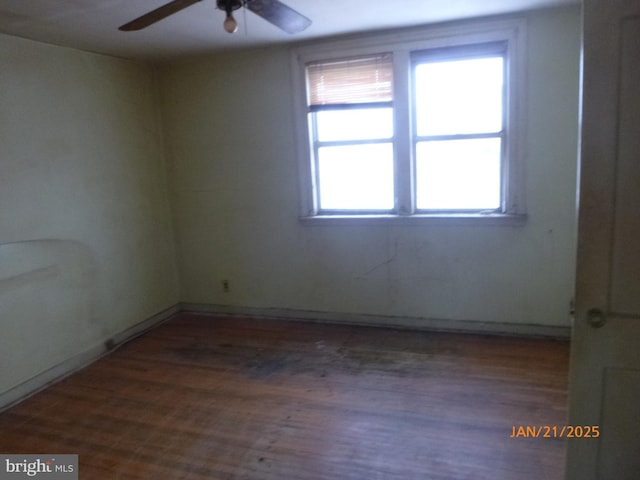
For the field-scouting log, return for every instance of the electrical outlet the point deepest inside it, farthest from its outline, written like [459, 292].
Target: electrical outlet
[225, 286]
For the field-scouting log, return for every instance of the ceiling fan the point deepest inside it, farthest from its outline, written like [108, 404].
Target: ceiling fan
[272, 11]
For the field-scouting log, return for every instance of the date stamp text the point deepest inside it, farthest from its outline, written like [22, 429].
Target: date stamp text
[555, 431]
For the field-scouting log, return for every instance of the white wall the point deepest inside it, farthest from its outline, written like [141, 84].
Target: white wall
[230, 145]
[86, 246]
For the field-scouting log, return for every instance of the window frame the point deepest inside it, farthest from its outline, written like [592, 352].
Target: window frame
[456, 53]
[403, 44]
[317, 144]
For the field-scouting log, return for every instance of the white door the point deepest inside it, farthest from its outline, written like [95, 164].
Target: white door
[605, 358]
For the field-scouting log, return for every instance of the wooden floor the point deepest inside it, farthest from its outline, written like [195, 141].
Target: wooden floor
[228, 398]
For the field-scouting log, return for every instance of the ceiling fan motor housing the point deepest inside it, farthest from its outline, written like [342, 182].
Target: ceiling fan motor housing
[230, 5]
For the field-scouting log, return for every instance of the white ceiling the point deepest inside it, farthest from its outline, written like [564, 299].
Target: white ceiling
[93, 24]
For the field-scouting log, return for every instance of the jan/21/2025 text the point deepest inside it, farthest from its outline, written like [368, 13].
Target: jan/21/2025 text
[555, 431]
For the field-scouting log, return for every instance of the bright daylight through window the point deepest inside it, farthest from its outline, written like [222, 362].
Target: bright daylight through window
[352, 117]
[459, 129]
[413, 132]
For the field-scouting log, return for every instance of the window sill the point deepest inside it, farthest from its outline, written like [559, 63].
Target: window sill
[445, 219]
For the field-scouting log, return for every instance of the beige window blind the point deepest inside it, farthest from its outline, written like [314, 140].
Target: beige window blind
[351, 81]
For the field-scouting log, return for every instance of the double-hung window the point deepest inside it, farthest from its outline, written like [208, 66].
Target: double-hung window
[458, 128]
[351, 118]
[416, 125]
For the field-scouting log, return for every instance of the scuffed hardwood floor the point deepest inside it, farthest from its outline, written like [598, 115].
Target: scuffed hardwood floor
[233, 398]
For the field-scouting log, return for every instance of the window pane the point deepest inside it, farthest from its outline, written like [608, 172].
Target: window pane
[356, 177]
[458, 174]
[361, 124]
[462, 96]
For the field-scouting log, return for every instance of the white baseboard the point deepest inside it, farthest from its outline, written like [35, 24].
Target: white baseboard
[81, 360]
[416, 323]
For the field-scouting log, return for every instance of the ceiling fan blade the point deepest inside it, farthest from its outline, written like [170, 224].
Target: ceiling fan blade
[156, 15]
[279, 14]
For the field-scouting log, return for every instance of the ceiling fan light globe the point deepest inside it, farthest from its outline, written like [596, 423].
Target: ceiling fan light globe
[230, 24]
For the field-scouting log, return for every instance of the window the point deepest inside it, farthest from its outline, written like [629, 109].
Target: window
[424, 126]
[351, 115]
[459, 128]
